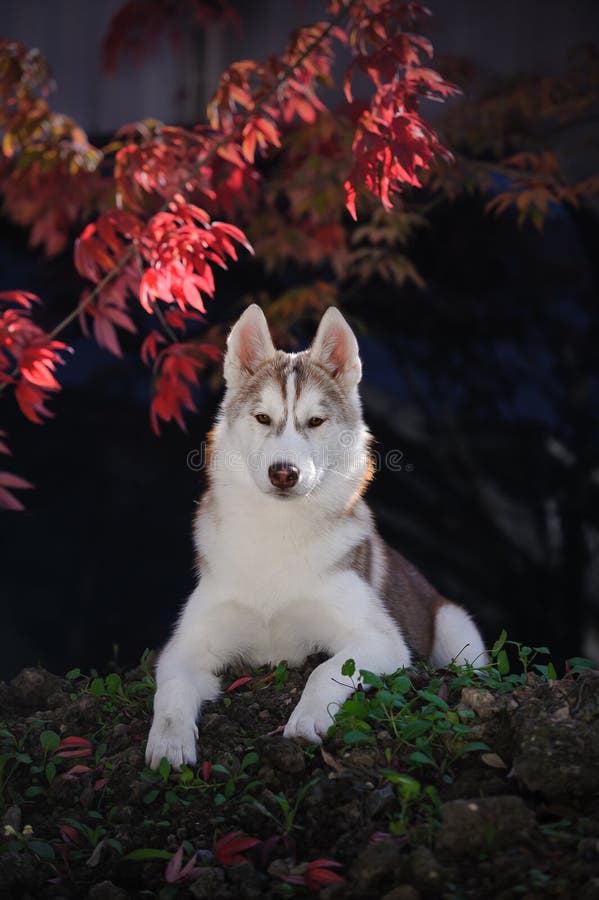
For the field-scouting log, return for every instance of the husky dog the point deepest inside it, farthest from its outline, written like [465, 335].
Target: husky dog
[289, 557]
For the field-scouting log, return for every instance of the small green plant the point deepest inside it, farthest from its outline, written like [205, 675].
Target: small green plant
[232, 778]
[286, 815]
[418, 807]
[424, 728]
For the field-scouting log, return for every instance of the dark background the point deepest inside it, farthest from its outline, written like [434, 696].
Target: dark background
[486, 381]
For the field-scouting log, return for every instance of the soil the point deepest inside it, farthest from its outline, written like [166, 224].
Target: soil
[520, 819]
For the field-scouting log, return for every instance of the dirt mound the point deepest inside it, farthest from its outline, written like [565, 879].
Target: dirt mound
[449, 784]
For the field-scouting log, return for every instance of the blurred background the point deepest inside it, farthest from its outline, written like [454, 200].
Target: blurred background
[478, 332]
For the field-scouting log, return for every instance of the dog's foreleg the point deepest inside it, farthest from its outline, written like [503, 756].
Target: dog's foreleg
[326, 688]
[208, 635]
[183, 684]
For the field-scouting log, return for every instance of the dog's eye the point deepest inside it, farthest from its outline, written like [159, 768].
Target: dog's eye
[263, 419]
[315, 421]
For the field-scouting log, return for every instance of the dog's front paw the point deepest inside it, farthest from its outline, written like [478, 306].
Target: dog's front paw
[308, 723]
[176, 740]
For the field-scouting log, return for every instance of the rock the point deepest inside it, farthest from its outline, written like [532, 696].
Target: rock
[19, 873]
[590, 890]
[380, 800]
[377, 867]
[207, 884]
[12, 817]
[555, 750]
[484, 703]
[83, 712]
[106, 890]
[37, 689]
[426, 872]
[286, 756]
[486, 823]
[402, 892]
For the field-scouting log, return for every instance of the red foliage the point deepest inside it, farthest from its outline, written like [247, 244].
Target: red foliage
[176, 872]
[314, 875]
[155, 235]
[239, 682]
[228, 850]
[28, 356]
[73, 747]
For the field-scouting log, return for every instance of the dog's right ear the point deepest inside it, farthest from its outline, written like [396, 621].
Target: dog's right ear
[249, 345]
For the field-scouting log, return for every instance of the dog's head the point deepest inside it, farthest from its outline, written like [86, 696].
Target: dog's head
[292, 422]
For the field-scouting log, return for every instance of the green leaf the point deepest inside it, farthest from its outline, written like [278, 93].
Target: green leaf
[401, 684]
[148, 853]
[348, 668]
[51, 771]
[250, 759]
[578, 663]
[73, 674]
[503, 663]
[97, 687]
[113, 683]
[164, 769]
[422, 759]
[474, 745]
[433, 698]
[499, 643]
[34, 791]
[357, 737]
[371, 679]
[150, 797]
[185, 775]
[23, 758]
[42, 849]
[49, 741]
[408, 787]
[551, 673]
[543, 650]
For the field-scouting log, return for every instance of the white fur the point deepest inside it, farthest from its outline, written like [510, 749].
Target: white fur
[457, 638]
[274, 585]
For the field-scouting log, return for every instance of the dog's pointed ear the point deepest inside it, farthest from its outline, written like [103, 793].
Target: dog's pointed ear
[335, 347]
[249, 345]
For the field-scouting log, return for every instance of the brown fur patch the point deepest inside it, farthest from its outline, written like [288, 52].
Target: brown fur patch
[311, 374]
[249, 393]
[359, 559]
[411, 601]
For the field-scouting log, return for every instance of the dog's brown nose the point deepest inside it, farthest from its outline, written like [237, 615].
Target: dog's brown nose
[283, 475]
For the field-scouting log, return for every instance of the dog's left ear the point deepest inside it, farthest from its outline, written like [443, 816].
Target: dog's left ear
[335, 347]
[249, 345]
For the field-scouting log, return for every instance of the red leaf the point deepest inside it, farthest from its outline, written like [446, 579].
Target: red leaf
[317, 878]
[73, 747]
[69, 834]
[239, 683]
[228, 850]
[75, 770]
[22, 298]
[174, 866]
[206, 770]
[7, 479]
